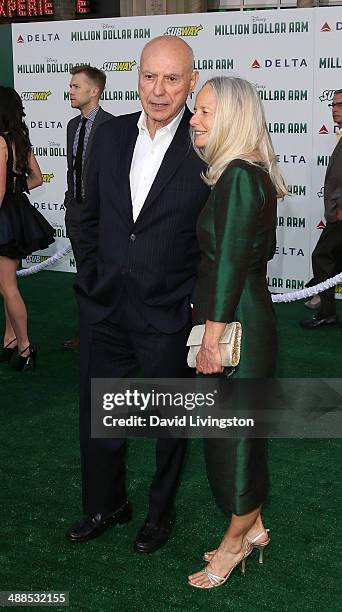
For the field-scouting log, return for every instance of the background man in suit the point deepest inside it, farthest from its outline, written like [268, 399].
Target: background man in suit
[328, 248]
[86, 87]
[139, 261]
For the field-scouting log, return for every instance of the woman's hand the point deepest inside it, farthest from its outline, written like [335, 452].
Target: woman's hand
[208, 360]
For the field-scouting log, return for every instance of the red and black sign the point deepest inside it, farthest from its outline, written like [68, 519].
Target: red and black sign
[27, 9]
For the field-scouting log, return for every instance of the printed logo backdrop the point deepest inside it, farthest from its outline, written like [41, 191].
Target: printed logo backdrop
[290, 55]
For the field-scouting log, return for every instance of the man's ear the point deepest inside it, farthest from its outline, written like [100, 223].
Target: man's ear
[193, 80]
[96, 92]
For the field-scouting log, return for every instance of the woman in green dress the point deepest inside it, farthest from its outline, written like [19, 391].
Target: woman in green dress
[236, 232]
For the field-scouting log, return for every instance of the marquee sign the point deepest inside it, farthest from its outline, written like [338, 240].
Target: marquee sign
[36, 8]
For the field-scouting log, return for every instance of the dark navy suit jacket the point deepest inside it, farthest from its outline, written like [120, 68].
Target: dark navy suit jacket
[154, 259]
[333, 184]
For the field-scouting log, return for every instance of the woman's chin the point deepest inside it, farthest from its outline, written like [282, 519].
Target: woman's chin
[200, 141]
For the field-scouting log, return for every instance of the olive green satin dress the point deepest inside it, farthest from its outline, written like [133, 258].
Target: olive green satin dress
[236, 233]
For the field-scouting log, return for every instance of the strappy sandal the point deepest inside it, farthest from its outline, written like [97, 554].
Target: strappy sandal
[216, 581]
[260, 547]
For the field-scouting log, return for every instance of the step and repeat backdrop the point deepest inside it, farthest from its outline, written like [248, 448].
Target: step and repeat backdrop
[292, 56]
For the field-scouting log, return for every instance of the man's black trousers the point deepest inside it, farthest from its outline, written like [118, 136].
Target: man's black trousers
[324, 258]
[114, 348]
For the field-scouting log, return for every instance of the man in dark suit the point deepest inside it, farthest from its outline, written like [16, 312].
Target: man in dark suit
[327, 252]
[86, 86]
[139, 261]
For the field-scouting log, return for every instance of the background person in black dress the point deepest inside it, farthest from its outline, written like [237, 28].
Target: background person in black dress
[22, 228]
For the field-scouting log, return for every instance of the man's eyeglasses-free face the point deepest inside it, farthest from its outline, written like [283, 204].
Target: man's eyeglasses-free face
[333, 104]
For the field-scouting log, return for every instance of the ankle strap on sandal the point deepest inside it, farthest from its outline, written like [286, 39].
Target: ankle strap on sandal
[28, 348]
[9, 343]
[257, 537]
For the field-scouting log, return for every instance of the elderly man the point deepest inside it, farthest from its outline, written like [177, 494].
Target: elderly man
[139, 260]
[329, 245]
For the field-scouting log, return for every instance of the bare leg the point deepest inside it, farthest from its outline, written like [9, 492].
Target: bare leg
[230, 551]
[255, 530]
[9, 334]
[14, 303]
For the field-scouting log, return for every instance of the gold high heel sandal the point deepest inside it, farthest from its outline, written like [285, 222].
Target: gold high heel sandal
[261, 547]
[216, 581]
[207, 556]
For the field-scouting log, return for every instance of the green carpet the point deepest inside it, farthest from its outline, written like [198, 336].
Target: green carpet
[40, 493]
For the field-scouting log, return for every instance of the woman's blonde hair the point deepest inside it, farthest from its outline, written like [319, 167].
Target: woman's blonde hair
[239, 131]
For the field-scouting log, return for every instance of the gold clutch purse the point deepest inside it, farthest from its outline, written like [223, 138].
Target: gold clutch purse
[229, 344]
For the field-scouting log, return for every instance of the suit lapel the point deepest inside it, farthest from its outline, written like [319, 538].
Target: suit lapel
[72, 131]
[173, 158]
[128, 140]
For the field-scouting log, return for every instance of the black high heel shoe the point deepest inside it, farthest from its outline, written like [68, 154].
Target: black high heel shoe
[21, 363]
[7, 352]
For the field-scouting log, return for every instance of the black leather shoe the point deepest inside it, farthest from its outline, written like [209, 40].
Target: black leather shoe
[152, 536]
[95, 524]
[319, 321]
